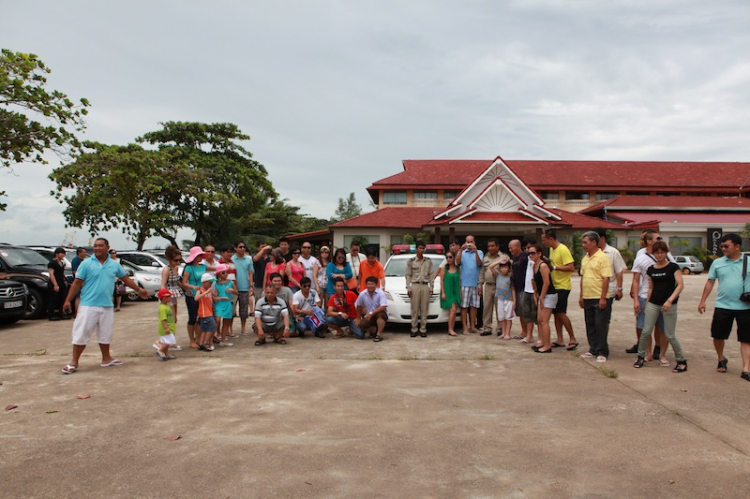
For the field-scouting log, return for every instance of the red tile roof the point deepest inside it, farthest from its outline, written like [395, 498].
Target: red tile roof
[315, 233]
[666, 202]
[407, 218]
[684, 218]
[552, 175]
[581, 221]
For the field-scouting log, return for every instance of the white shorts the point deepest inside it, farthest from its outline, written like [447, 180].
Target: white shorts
[168, 339]
[505, 310]
[90, 319]
[550, 301]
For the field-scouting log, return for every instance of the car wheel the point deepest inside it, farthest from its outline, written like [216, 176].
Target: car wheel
[133, 295]
[686, 271]
[37, 305]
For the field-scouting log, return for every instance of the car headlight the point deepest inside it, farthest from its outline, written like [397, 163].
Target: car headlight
[45, 274]
[25, 289]
[388, 295]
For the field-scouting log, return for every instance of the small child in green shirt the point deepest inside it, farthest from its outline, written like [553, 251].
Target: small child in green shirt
[167, 325]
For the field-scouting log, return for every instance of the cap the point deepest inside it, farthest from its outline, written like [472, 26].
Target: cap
[164, 293]
[207, 277]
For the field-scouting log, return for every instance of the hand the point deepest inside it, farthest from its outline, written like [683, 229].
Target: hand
[68, 309]
[143, 294]
[701, 307]
[442, 295]
[479, 290]
[667, 305]
[408, 292]
[287, 333]
[632, 297]
[618, 295]
[261, 335]
[637, 307]
[602, 303]
[56, 288]
[580, 302]
[345, 316]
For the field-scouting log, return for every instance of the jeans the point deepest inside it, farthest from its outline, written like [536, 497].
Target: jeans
[670, 321]
[340, 322]
[301, 326]
[597, 326]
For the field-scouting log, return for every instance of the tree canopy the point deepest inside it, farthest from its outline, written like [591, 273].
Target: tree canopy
[347, 209]
[32, 118]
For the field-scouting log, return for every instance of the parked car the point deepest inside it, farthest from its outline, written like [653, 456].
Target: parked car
[13, 301]
[148, 279]
[28, 267]
[144, 259]
[689, 264]
[399, 303]
[48, 252]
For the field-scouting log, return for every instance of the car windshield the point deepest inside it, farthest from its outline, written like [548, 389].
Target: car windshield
[694, 259]
[396, 267]
[163, 260]
[21, 256]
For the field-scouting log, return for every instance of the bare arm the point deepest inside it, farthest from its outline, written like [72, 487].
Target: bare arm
[706, 291]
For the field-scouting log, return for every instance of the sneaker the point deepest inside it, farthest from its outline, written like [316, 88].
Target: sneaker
[633, 349]
[587, 355]
[216, 340]
[601, 358]
[176, 348]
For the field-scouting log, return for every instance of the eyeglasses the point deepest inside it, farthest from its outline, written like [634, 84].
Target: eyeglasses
[295, 253]
[725, 246]
[176, 259]
[305, 285]
[449, 257]
[306, 247]
[241, 247]
[659, 238]
[531, 252]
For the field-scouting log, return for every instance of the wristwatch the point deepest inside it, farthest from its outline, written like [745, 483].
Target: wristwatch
[554, 267]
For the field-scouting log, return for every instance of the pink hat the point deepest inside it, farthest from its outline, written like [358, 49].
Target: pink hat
[220, 268]
[164, 293]
[195, 252]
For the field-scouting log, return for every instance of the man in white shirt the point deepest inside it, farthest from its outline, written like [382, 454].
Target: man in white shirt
[354, 259]
[371, 307]
[304, 302]
[309, 262]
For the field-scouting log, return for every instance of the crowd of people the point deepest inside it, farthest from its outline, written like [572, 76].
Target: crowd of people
[288, 292]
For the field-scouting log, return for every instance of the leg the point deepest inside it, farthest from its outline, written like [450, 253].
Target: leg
[465, 320]
[544, 329]
[745, 351]
[243, 301]
[473, 318]
[488, 295]
[452, 319]
[589, 316]
[651, 315]
[414, 305]
[670, 323]
[424, 304]
[77, 351]
[602, 328]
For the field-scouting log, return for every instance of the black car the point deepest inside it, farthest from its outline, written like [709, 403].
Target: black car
[28, 267]
[13, 301]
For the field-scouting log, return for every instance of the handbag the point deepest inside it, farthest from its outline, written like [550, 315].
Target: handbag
[314, 321]
[121, 289]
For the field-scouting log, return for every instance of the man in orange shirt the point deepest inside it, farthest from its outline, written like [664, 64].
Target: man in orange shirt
[371, 267]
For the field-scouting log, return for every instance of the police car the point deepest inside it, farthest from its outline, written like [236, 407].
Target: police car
[399, 304]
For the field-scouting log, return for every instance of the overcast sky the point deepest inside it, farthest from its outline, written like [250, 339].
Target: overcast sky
[335, 94]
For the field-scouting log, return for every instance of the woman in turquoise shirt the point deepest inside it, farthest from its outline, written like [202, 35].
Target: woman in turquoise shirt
[191, 281]
[338, 267]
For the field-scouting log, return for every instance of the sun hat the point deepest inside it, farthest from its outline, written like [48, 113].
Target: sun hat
[208, 276]
[325, 248]
[195, 252]
[220, 268]
[164, 293]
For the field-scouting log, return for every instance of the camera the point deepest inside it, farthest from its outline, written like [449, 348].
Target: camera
[745, 297]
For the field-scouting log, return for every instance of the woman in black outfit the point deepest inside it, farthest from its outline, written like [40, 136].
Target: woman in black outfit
[58, 286]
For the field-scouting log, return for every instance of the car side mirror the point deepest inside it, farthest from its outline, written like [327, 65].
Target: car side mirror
[155, 264]
[130, 272]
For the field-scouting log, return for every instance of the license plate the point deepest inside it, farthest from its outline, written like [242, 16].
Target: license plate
[13, 304]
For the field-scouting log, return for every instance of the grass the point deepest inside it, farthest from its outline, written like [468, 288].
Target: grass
[408, 357]
[610, 373]
[486, 357]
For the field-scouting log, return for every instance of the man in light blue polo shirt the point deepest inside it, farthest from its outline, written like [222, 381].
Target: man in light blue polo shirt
[470, 260]
[95, 279]
[728, 307]
[244, 265]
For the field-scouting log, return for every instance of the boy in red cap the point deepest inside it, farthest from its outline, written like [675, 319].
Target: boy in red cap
[167, 325]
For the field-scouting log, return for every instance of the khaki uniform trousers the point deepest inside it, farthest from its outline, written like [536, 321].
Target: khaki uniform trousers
[420, 301]
[489, 304]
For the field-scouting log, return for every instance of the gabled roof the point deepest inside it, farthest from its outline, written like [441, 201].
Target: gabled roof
[717, 219]
[406, 218]
[575, 220]
[728, 177]
[669, 203]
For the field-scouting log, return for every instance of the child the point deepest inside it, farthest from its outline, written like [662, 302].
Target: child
[505, 295]
[223, 309]
[205, 297]
[167, 325]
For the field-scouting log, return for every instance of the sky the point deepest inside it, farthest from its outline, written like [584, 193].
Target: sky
[335, 94]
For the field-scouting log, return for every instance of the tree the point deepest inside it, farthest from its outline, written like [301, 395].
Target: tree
[347, 209]
[220, 182]
[124, 187]
[24, 100]
[745, 233]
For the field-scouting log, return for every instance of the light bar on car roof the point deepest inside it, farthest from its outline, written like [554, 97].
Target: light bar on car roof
[406, 249]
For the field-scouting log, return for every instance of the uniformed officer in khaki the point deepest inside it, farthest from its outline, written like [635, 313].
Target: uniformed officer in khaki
[487, 285]
[419, 288]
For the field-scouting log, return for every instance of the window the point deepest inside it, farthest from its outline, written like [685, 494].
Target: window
[601, 196]
[425, 195]
[667, 193]
[397, 197]
[573, 195]
[550, 195]
[679, 245]
[449, 195]
[397, 240]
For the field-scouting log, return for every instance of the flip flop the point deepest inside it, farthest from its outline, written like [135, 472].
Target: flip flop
[69, 369]
[572, 346]
[557, 345]
[113, 362]
[377, 339]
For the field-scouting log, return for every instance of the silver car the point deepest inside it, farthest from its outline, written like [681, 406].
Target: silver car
[689, 264]
[150, 280]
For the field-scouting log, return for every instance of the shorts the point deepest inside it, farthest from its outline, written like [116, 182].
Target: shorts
[505, 310]
[208, 324]
[562, 301]
[721, 324]
[640, 318]
[529, 307]
[89, 319]
[373, 322]
[519, 303]
[469, 297]
[168, 339]
[550, 301]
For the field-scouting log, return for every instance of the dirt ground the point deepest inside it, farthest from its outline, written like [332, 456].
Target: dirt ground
[439, 417]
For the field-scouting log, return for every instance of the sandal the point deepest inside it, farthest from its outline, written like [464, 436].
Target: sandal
[745, 375]
[280, 341]
[69, 369]
[260, 342]
[557, 345]
[664, 363]
[572, 346]
[639, 363]
[681, 367]
[377, 338]
[722, 367]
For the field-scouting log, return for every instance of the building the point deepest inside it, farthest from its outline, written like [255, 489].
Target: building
[514, 199]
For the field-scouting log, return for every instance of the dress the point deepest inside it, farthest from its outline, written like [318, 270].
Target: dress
[223, 308]
[452, 290]
[173, 283]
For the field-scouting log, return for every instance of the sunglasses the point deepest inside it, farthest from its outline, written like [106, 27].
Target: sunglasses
[532, 252]
[176, 259]
[241, 247]
[212, 251]
[449, 257]
[325, 251]
[725, 246]
[305, 285]
[295, 253]
[306, 247]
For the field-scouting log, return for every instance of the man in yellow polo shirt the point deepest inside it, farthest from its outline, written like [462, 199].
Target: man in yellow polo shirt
[562, 265]
[596, 270]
